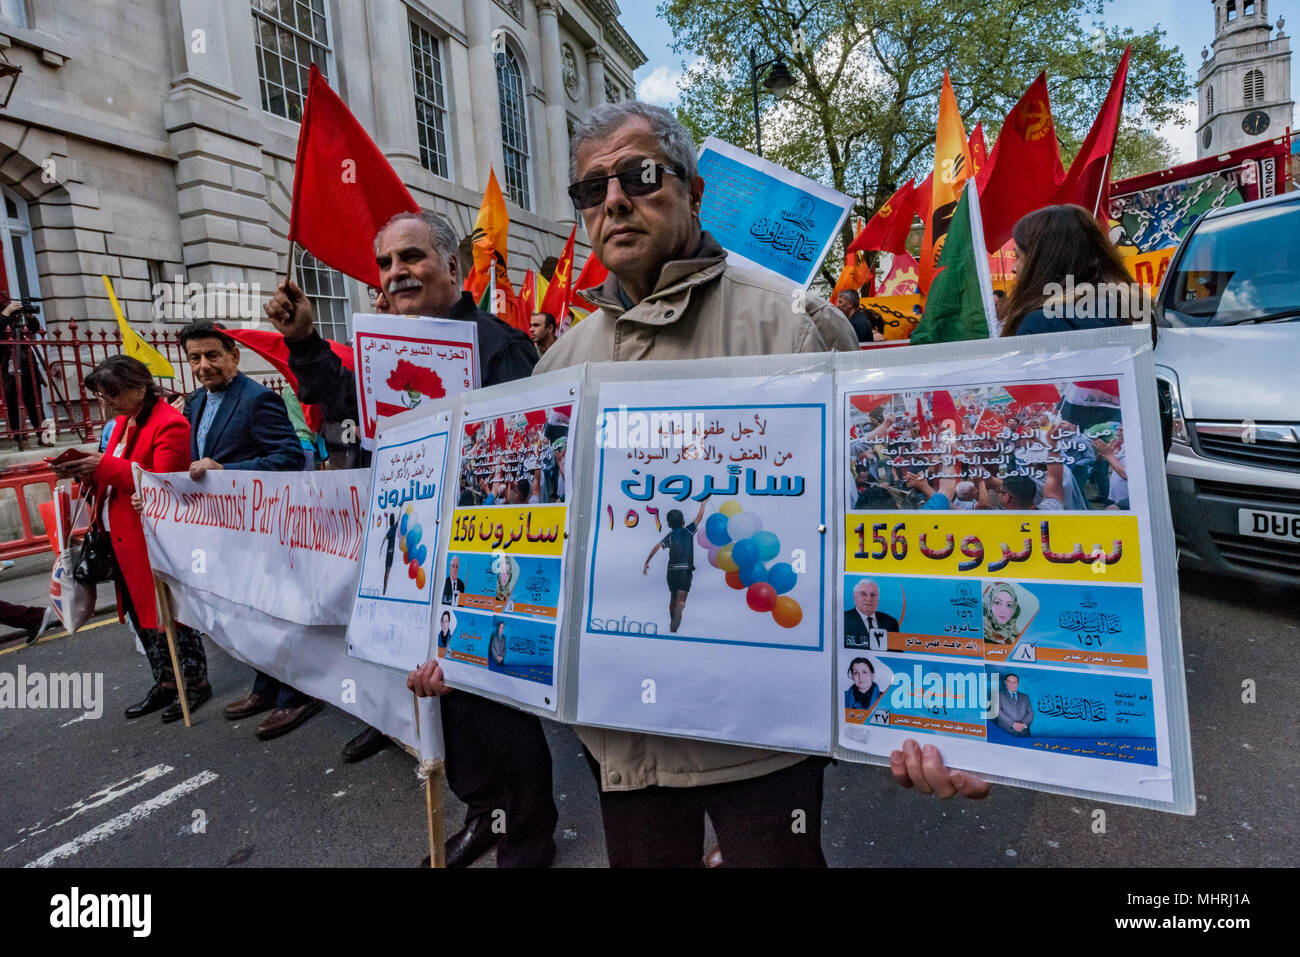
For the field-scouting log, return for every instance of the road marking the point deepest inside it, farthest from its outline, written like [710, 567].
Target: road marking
[111, 619]
[99, 798]
[123, 821]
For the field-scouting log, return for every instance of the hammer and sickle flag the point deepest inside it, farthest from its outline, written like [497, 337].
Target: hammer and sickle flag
[952, 167]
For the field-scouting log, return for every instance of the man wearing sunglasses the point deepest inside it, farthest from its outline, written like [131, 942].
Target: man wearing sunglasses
[671, 295]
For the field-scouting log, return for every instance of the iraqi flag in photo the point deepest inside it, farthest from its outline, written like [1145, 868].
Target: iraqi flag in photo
[1090, 403]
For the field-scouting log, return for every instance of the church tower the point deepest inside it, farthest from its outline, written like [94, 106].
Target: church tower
[1245, 86]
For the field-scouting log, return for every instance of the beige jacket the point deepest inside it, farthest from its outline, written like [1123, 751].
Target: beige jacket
[701, 309]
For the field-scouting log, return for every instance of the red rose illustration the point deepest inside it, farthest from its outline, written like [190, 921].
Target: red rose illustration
[416, 382]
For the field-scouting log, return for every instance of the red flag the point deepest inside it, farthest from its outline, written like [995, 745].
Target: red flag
[593, 274]
[945, 410]
[990, 423]
[889, 228]
[1024, 172]
[865, 403]
[560, 292]
[922, 425]
[1033, 394]
[1087, 184]
[536, 418]
[526, 300]
[344, 189]
[272, 347]
[979, 156]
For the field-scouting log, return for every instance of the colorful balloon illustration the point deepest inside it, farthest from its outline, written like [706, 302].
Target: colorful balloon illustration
[716, 526]
[761, 596]
[782, 577]
[730, 508]
[725, 561]
[744, 552]
[769, 546]
[733, 580]
[743, 525]
[757, 572]
[786, 612]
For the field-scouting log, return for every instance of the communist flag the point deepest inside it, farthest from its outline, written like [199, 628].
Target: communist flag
[344, 189]
[490, 237]
[526, 301]
[1087, 184]
[943, 410]
[593, 274]
[1025, 169]
[271, 347]
[889, 228]
[952, 167]
[560, 292]
[857, 272]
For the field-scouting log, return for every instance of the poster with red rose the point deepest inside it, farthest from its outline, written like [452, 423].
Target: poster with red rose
[403, 361]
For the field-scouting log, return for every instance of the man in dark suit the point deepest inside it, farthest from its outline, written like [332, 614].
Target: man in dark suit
[453, 585]
[238, 424]
[865, 617]
[1015, 713]
[497, 757]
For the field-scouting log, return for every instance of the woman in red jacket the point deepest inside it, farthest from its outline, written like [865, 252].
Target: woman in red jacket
[149, 431]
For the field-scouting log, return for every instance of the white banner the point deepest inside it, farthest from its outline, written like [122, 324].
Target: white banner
[266, 564]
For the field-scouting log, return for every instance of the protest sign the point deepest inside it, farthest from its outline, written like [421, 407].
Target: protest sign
[403, 361]
[1000, 586]
[765, 216]
[266, 563]
[504, 551]
[707, 560]
[391, 615]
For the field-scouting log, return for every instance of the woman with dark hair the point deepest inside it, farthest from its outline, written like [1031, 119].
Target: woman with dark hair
[152, 433]
[1069, 275]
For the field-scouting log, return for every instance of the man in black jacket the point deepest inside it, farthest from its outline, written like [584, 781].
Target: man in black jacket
[497, 757]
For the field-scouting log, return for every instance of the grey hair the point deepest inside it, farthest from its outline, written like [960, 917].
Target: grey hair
[602, 121]
[441, 236]
[853, 295]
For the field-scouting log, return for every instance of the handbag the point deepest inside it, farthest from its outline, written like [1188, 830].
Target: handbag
[93, 561]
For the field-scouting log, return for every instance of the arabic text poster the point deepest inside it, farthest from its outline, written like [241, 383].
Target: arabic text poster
[503, 583]
[765, 216]
[390, 622]
[403, 361]
[997, 556]
[708, 559]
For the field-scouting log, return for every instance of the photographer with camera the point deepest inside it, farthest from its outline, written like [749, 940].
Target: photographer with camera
[17, 364]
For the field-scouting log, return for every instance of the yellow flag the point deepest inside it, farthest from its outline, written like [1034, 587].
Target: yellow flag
[491, 230]
[952, 167]
[133, 345]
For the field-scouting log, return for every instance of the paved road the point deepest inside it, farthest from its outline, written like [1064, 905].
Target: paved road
[111, 792]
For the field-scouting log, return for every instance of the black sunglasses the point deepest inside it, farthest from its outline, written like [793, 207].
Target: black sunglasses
[639, 180]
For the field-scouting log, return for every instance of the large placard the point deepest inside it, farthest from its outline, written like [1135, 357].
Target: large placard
[998, 588]
[391, 613]
[707, 561]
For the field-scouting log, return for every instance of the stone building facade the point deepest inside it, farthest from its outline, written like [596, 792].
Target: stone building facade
[1245, 84]
[155, 139]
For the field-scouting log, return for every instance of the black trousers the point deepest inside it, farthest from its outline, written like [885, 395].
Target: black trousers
[498, 760]
[189, 647]
[770, 821]
[31, 404]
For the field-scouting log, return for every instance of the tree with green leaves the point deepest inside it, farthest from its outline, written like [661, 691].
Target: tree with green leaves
[861, 116]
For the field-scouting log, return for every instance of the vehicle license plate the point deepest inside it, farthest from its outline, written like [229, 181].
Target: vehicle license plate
[1279, 526]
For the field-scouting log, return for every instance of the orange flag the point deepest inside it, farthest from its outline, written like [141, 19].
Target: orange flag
[857, 272]
[491, 230]
[952, 167]
[560, 292]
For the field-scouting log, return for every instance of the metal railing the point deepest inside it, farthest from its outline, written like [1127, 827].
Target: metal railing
[43, 373]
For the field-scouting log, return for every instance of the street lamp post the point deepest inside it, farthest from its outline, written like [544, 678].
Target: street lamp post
[778, 82]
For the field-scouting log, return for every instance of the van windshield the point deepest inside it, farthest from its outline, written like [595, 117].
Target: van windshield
[1244, 267]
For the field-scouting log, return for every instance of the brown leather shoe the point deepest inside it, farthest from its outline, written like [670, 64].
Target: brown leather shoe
[247, 707]
[714, 857]
[283, 720]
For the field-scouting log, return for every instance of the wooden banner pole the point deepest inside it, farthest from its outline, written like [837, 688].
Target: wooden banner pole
[169, 626]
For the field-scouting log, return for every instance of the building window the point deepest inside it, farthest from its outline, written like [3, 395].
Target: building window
[15, 11]
[430, 101]
[327, 290]
[19, 254]
[1248, 8]
[1254, 86]
[514, 126]
[1209, 100]
[290, 36]
[1232, 11]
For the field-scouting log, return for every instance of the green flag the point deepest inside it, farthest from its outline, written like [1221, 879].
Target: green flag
[960, 302]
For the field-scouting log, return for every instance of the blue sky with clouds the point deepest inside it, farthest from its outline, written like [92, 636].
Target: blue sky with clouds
[1189, 24]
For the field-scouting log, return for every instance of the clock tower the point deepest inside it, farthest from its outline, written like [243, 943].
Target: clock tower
[1245, 86]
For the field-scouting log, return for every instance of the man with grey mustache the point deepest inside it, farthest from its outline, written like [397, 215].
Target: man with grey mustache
[497, 758]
